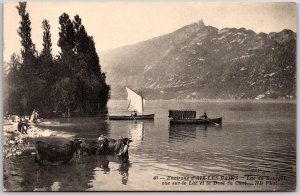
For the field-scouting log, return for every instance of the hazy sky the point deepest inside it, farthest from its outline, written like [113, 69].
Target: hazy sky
[116, 24]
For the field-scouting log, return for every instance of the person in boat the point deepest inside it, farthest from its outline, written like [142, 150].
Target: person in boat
[204, 116]
[134, 113]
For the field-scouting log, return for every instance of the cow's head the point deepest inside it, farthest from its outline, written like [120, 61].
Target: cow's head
[126, 141]
[125, 145]
[83, 145]
[76, 144]
[103, 145]
[83, 142]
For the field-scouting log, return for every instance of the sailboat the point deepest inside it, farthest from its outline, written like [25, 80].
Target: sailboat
[135, 104]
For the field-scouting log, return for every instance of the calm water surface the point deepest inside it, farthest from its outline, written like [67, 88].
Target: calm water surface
[255, 135]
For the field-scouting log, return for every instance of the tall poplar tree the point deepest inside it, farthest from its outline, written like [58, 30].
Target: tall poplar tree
[12, 95]
[47, 44]
[24, 31]
[27, 73]
[65, 87]
[66, 34]
[96, 89]
[46, 72]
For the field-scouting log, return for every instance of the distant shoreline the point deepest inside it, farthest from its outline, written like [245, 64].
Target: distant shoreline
[220, 100]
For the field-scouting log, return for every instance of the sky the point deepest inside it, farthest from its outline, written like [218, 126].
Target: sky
[114, 24]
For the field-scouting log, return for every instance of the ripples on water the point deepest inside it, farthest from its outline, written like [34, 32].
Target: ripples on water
[254, 135]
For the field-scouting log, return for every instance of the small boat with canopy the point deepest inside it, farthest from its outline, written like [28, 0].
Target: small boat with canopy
[189, 117]
[135, 104]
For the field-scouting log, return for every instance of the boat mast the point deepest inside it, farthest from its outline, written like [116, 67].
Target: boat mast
[142, 102]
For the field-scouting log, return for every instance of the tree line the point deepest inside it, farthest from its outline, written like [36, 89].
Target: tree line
[71, 81]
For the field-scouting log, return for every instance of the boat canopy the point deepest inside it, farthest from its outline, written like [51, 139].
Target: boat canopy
[182, 114]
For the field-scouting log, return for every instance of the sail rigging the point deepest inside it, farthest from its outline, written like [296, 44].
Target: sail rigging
[135, 101]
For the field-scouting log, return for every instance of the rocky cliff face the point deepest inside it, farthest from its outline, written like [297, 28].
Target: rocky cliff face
[199, 61]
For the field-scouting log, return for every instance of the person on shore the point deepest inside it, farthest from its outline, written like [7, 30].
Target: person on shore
[7, 116]
[22, 125]
[101, 137]
[34, 116]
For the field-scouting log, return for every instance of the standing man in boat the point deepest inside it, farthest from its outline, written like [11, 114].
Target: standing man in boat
[134, 113]
[204, 116]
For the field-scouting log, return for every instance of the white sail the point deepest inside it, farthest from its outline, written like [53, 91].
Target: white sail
[135, 101]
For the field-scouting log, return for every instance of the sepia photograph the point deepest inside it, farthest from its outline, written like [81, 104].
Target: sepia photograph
[149, 96]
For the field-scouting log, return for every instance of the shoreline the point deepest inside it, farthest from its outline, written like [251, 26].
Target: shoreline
[217, 100]
[17, 147]
[15, 143]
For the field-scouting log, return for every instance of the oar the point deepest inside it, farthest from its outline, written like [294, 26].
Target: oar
[210, 121]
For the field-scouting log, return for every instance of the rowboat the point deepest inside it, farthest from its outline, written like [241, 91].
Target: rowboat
[135, 104]
[215, 121]
[189, 117]
[138, 117]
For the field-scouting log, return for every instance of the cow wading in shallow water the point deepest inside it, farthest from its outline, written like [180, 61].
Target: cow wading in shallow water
[115, 146]
[107, 146]
[89, 146]
[54, 153]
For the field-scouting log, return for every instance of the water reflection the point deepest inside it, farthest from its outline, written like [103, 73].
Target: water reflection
[103, 164]
[73, 176]
[136, 133]
[124, 172]
[106, 163]
[134, 129]
[89, 128]
[181, 132]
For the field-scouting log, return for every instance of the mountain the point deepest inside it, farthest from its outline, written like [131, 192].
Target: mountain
[199, 61]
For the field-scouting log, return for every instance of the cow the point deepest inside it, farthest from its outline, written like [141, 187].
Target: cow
[89, 146]
[114, 146]
[55, 153]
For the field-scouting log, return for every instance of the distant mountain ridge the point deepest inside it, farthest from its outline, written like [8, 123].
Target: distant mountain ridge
[199, 61]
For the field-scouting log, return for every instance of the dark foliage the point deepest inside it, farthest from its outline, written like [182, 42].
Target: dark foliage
[71, 82]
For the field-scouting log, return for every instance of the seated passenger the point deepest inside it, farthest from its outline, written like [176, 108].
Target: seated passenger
[204, 116]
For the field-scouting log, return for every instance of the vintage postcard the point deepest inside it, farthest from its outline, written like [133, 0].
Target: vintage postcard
[149, 96]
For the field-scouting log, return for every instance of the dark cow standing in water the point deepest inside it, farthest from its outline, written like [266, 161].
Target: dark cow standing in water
[107, 146]
[54, 153]
[115, 146]
[89, 146]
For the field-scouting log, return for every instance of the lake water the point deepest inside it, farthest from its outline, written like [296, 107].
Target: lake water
[256, 140]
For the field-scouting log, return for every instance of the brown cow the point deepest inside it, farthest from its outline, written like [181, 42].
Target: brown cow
[115, 146]
[54, 153]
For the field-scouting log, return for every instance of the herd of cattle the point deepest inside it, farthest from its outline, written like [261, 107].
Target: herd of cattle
[105, 146]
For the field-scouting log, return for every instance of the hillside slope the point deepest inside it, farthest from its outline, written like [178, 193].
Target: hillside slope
[199, 61]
